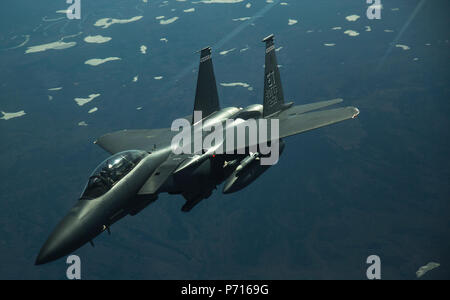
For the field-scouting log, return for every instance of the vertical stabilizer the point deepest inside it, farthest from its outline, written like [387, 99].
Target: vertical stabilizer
[273, 91]
[206, 97]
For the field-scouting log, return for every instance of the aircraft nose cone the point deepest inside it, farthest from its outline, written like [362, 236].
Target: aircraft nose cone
[70, 234]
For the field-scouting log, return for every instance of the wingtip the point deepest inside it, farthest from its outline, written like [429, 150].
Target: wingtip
[356, 112]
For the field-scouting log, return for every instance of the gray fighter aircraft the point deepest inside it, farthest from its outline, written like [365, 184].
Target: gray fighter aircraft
[143, 163]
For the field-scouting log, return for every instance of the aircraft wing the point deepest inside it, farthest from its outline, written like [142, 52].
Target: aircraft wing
[292, 124]
[301, 109]
[136, 139]
[241, 142]
[293, 121]
[298, 123]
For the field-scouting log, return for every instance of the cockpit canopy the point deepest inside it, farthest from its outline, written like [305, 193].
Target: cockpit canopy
[110, 171]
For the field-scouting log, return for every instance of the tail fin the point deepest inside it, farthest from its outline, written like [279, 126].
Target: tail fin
[206, 97]
[273, 91]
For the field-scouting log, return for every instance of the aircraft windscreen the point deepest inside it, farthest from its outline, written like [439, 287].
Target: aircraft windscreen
[109, 172]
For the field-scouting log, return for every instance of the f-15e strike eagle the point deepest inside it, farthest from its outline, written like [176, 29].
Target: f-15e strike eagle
[143, 163]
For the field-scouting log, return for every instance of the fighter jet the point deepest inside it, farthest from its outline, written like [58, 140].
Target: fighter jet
[143, 162]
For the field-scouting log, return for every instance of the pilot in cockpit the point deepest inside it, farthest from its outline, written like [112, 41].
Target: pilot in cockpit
[110, 172]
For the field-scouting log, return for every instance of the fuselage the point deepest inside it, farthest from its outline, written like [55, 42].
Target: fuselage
[109, 196]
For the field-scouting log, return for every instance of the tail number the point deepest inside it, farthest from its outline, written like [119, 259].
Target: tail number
[272, 89]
